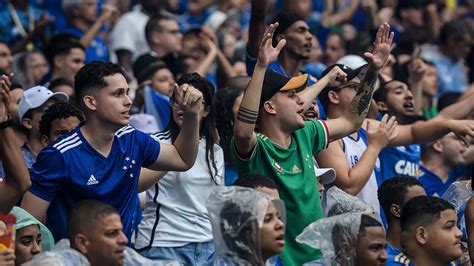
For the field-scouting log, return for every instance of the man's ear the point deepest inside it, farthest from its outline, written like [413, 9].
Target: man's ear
[58, 61]
[333, 97]
[382, 107]
[279, 37]
[269, 107]
[421, 235]
[438, 147]
[81, 243]
[90, 102]
[395, 210]
[27, 123]
[44, 140]
[155, 38]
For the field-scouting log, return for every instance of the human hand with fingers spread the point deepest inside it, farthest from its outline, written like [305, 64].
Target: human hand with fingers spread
[380, 136]
[267, 53]
[382, 44]
[187, 98]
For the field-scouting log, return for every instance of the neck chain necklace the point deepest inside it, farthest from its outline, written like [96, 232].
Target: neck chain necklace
[16, 20]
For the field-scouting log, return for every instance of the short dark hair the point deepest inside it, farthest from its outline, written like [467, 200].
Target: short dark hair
[58, 110]
[394, 190]
[153, 25]
[61, 45]
[59, 82]
[367, 221]
[92, 77]
[253, 180]
[380, 95]
[456, 29]
[422, 211]
[285, 19]
[85, 214]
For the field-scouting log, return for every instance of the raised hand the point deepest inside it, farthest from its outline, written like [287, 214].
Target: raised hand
[5, 84]
[187, 98]
[383, 42]
[383, 134]
[464, 129]
[267, 53]
[336, 77]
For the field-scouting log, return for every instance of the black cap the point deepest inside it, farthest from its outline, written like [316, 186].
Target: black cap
[274, 82]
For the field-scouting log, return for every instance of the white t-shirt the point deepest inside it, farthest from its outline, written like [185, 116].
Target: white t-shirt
[129, 33]
[175, 212]
[354, 148]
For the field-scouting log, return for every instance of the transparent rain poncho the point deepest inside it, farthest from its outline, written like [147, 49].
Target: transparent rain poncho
[458, 193]
[236, 215]
[339, 202]
[335, 236]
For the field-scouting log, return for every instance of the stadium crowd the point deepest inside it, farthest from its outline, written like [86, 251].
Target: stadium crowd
[237, 132]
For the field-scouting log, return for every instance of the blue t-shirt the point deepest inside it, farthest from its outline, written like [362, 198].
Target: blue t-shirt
[97, 49]
[433, 184]
[71, 170]
[400, 161]
[396, 257]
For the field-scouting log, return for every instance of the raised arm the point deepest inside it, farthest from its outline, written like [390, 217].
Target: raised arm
[355, 114]
[257, 26]
[310, 93]
[17, 180]
[431, 130]
[182, 154]
[353, 179]
[245, 138]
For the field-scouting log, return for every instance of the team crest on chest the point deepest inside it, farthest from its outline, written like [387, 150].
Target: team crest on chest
[296, 169]
[129, 163]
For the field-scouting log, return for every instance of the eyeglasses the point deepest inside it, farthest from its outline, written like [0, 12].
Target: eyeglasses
[353, 86]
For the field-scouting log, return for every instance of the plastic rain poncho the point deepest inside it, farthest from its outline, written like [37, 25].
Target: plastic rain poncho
[331, 234]
[340, 202]
[236, 215]
[25, 219]
[458, 193]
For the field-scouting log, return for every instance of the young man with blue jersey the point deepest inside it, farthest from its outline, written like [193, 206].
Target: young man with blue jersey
[392, 195]
[429, 235]
[102, 157]
[442, 163]
[396, 99]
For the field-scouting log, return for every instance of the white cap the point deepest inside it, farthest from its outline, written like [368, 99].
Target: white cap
[325, 175]
[37, 96]
[352, 61]
[144, 122]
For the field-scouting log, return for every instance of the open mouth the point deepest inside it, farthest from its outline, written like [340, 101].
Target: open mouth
[409, 106]
[311, 115]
